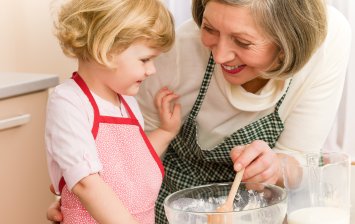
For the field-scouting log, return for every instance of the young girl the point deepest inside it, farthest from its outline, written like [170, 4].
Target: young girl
[99, 158]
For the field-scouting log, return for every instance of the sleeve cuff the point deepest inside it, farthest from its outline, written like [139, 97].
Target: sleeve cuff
[73, 175]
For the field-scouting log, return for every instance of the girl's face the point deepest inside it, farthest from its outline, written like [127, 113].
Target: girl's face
[237, 43]
[132, 67]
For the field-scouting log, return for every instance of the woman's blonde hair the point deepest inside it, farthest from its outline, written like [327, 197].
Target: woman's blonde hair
[297, 27]
[93, 29]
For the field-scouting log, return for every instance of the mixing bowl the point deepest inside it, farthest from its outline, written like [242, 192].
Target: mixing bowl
[253, 204]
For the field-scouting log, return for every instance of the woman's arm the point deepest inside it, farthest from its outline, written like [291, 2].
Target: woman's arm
[101, 201]
[311, 104]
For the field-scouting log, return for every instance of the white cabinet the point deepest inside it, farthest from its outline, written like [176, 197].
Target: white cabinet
[24, 181]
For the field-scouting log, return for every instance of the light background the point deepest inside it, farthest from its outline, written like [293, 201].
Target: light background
[28, 45]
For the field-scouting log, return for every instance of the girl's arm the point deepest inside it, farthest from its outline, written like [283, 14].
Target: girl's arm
[170, 120]
[101, 201]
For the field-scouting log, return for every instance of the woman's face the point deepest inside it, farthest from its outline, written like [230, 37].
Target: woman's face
[237, 43]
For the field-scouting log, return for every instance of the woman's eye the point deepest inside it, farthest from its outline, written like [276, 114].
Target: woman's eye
[208, 29]
[241, 43]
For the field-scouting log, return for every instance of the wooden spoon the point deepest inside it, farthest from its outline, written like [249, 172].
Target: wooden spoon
[227, 206]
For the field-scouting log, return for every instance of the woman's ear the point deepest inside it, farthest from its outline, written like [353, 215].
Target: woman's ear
[281, 57]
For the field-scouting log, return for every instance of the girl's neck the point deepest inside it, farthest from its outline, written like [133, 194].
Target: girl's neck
[90, 74]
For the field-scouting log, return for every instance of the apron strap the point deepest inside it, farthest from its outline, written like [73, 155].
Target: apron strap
[278, 104]
[204, 86]
[76, 77]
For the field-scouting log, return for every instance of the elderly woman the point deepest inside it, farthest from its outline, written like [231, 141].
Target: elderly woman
[267, 74]
[257, 79]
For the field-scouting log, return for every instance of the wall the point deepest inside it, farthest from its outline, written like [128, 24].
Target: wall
[181, 10]
[27, 43]
[342, 135]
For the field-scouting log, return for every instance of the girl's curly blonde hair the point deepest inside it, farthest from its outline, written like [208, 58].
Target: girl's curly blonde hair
[93, 29]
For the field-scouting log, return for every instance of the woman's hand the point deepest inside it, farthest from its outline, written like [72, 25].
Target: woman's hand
[53, 212]
[261, 164]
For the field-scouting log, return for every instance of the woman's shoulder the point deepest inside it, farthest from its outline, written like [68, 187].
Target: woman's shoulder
[188, 40]
[334, 16]
[339, 30]
[333, 54]
[189, 27]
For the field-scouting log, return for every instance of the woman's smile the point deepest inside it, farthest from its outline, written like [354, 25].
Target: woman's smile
[232, 69]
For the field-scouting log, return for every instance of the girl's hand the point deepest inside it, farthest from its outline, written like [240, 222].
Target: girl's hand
[53, 212]
[262, 165]
[169, 110]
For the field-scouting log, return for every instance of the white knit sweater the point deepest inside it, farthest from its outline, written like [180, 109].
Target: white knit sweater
[308, 110]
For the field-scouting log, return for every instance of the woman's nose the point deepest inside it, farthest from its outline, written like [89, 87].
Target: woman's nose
[223, 52]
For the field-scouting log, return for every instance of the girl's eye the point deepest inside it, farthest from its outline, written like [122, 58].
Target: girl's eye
[144, 60]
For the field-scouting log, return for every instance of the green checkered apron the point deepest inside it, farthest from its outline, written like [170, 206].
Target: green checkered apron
[187, 165]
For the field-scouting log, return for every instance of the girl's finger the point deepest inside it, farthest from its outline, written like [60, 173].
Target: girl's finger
[166, 102]
[159, 96]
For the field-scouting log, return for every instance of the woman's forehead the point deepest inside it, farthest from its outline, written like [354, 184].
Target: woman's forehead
[231, 19]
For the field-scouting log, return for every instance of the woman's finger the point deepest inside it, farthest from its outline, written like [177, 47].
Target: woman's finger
[236, 152]
[268, 175]
[250, 153]
[262, 166]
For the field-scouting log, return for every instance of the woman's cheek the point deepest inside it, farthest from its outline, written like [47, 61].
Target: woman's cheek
[207, 39]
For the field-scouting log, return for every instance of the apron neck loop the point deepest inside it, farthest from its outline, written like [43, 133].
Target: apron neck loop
[204, 86]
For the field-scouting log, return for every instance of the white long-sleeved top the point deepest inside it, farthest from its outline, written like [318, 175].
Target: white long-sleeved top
[308, 110]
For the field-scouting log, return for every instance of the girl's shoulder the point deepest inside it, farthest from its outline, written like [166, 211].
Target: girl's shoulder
[67, 89]
[68, 98]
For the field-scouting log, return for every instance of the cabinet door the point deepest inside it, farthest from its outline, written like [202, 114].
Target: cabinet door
[24, 180]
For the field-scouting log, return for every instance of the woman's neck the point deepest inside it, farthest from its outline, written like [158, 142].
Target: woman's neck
[255, 85]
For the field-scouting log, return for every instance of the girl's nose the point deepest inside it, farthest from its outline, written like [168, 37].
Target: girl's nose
[150, 69]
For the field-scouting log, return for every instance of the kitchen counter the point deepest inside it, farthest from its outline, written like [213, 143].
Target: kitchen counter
[13, 84]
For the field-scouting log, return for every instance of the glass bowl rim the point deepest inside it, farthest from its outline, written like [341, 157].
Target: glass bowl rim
[285, 196]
